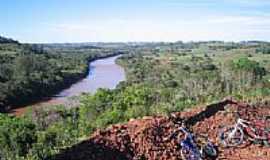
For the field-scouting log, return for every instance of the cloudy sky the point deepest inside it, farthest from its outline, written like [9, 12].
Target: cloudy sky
[134, 20]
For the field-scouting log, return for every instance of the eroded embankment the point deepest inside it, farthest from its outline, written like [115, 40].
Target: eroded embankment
[146, 138]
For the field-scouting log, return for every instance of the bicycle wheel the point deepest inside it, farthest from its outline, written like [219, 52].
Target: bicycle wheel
[257, 134]
[266, 143]
[209, 151]
[186, 154]
[229, 137]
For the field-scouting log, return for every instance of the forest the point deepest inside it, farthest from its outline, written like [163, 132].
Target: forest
[30, 72]
[161, 78]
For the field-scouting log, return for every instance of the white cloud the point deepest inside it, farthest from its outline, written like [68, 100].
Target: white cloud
[189, 3]
[211, 28]
[251, 2]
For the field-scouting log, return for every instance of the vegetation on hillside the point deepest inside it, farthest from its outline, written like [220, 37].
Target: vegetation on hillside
[161, 78]
[31, 72]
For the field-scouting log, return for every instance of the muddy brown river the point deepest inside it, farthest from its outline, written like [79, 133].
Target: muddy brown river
[103, 73]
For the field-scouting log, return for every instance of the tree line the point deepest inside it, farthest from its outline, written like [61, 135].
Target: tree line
[159, 81]
[29, 72]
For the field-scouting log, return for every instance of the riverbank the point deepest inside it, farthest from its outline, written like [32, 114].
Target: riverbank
[101, 73]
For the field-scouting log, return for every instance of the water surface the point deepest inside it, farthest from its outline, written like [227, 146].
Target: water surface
[103, 73]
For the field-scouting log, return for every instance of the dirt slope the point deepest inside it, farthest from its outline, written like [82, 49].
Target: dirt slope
[147, 138]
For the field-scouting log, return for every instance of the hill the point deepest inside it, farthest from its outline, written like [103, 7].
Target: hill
[7, 40]
[146, 138]
[32, 72]
[161, 78]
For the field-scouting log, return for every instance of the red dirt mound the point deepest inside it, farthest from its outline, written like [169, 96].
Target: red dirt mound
[147, 138]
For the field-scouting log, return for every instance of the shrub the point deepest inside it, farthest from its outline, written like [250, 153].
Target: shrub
[16, 136]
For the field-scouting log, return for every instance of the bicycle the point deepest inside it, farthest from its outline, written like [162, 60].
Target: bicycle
[190, 150]
[232, 136]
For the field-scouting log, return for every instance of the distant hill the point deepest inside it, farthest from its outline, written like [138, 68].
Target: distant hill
[7, 40]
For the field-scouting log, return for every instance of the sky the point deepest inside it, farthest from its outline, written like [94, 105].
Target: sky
[51, 21]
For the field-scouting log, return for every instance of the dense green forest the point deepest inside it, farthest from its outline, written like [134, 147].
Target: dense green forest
[29, 72]
[161, 78]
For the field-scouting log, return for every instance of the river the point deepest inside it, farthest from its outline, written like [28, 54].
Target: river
[103, 73]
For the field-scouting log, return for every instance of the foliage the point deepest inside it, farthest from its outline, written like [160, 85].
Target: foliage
[16, 136]
[29, 72]
[161, 78]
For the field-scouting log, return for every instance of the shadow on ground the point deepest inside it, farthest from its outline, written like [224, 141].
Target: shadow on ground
[89, 150]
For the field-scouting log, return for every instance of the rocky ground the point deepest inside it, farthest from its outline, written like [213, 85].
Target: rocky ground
[148, 138]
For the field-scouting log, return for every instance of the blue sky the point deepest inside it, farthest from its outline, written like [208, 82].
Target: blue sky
[134, 20]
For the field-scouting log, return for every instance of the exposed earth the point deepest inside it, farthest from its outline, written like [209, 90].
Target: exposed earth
[147, 138]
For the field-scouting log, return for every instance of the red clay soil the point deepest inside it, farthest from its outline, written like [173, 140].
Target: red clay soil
[21, 110]
[147, 138]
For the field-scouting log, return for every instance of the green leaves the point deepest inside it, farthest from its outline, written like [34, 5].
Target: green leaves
[31, 71]
[16, 136]
[245, 64]
[156, 84]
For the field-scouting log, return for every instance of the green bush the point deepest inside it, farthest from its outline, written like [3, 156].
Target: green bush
[16, 137]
